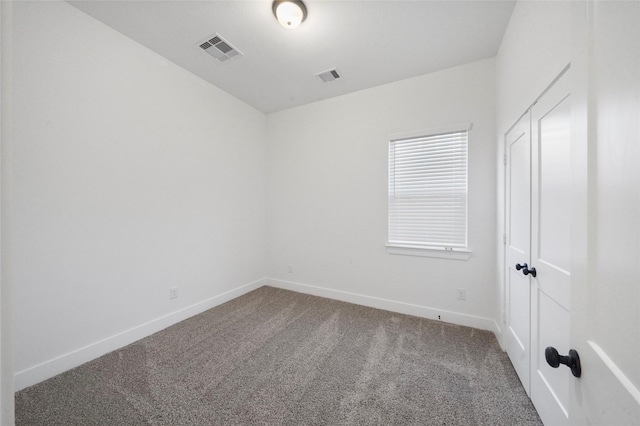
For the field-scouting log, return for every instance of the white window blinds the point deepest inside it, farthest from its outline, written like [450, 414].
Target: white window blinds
[428, 191]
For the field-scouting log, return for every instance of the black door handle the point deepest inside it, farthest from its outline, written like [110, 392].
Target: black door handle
[572, 360]
[526, 270]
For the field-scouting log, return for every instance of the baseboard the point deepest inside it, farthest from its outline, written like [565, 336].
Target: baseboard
[60, 364]
[391, 305]
[500, 337]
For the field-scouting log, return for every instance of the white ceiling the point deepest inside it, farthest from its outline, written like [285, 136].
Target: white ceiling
[369, 42]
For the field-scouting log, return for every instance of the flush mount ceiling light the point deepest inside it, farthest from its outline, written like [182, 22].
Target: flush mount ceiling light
[290, 13]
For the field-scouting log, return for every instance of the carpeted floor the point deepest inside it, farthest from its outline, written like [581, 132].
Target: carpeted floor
[275, 357]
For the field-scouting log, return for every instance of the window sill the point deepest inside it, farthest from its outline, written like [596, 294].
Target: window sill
[456, 254]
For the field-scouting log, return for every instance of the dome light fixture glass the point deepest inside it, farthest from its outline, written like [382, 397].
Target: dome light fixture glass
[290, 13]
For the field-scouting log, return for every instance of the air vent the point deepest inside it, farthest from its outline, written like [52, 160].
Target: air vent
[219, 48]
[327, 76]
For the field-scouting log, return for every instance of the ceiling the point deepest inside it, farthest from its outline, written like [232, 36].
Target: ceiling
[369, 42]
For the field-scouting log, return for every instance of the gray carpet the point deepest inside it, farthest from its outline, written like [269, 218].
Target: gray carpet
[276, 357]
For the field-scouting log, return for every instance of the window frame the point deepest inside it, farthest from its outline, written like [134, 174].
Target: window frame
[437, 251]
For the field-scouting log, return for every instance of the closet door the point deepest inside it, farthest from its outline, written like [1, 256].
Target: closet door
[517, 247]
[551, 249]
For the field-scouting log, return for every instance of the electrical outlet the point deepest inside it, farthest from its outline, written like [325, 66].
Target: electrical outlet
[290, 269]
[173, 292]
[462, 294]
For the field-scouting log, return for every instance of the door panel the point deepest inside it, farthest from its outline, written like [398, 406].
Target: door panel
[518, 324]
[550, 386]
[519, 195]
[550, 248]
[554, 169]
[517, 251]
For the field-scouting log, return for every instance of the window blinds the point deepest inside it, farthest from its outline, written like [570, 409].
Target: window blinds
[428, 191]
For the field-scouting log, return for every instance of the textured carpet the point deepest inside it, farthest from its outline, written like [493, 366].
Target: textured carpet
[276, 357]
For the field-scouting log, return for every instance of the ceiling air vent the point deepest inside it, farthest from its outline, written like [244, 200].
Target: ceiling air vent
[220, 49]
[327, 76]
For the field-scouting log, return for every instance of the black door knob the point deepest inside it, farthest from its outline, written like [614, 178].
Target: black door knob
[525, 269]
[572, 360]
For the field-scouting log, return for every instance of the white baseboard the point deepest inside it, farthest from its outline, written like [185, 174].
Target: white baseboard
[500, 337]
[390, 305]
[62, 363]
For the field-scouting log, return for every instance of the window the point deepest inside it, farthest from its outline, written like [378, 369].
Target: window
[428, 192]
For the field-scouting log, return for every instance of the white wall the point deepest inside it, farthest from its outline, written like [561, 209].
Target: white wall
[6, 318]
[535, 49]
[605, 268]
[130, 176]
[327, 197]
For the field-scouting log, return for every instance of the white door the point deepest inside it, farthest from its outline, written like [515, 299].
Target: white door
[538, 249]
[605, 328]
[551, 180]
[518, 243]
